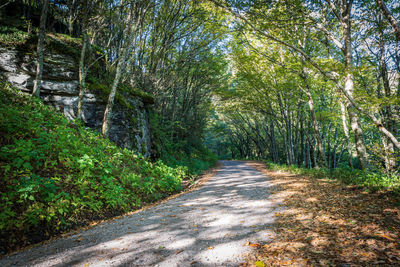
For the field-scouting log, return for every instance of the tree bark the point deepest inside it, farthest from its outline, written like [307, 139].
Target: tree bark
[40, 48]
[346, 132]
[349, 88]
[82, 72]
[389, 121]
[110, 103]
[317, 134]
[123, 56]
[82, 69]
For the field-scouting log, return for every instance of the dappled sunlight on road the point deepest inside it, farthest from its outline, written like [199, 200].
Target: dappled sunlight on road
[206, 227]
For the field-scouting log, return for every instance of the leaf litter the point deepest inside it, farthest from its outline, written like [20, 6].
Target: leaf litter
[326, 223]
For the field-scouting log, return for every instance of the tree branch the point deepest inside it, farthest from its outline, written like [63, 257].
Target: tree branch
[389, 17]
[329, 76]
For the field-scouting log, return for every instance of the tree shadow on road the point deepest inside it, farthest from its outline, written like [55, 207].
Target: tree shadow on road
[204, 228]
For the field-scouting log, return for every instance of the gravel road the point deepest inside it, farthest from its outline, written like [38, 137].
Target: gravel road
[206, 227]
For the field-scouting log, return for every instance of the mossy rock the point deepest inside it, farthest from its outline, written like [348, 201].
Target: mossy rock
[124, 91]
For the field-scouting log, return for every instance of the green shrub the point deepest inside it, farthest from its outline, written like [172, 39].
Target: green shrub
[12, 36]
[193, 160]
[366, 178]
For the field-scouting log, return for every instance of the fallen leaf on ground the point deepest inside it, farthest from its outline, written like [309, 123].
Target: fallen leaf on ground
[325, 223]
[79, 239]
[179, 251]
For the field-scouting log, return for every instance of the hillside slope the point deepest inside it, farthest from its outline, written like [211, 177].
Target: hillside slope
[57, 175]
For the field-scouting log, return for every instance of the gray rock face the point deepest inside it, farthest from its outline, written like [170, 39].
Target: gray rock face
[129, 126]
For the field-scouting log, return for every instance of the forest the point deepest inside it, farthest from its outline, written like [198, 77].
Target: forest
[306, 87]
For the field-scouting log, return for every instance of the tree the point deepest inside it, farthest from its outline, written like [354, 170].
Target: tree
[40, 48]
[136, 12]
[388, 15]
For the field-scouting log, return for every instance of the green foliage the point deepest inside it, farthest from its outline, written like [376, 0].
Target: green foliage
[188, 154]
[102, 85]
[56, 174]
[368, 179]
[12, 36]
[194, 161]
[55, 42]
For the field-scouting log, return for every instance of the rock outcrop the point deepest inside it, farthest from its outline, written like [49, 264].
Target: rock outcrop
[129, 125]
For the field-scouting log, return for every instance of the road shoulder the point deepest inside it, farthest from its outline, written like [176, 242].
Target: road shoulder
[326, 223]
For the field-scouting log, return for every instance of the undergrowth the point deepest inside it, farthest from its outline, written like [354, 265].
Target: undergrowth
[368, 179]
[187, 153]
[194, 162]
[57, 175]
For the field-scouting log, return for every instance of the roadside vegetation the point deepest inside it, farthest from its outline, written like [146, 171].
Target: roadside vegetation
[58, 175]
[371, 181]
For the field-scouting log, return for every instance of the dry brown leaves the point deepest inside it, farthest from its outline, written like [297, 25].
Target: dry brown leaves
[324, 223]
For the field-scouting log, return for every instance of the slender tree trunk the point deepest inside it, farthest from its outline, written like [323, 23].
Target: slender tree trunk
[317, 135]
[303, 144]
[85, 42]
[346, 133]
[275, 155]
[308, 155]
[71, 16]
[328, 150]
[110, 102]
[332, 158]
[340, 156]
[82, 72]
[349, 88]
[40, 48]
[389, 121]
[122, 61]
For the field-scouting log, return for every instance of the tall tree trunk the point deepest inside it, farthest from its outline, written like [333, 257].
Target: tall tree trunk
[332, 158]
[274, 147]
[328, 149]
[389, 121]
[308, 165]
[349, 88]
[82, 72]
[40, 48]
[340, 156]
[71, 16]
[317, 135]
[302, 143]
[82, 69]
[123, 55]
